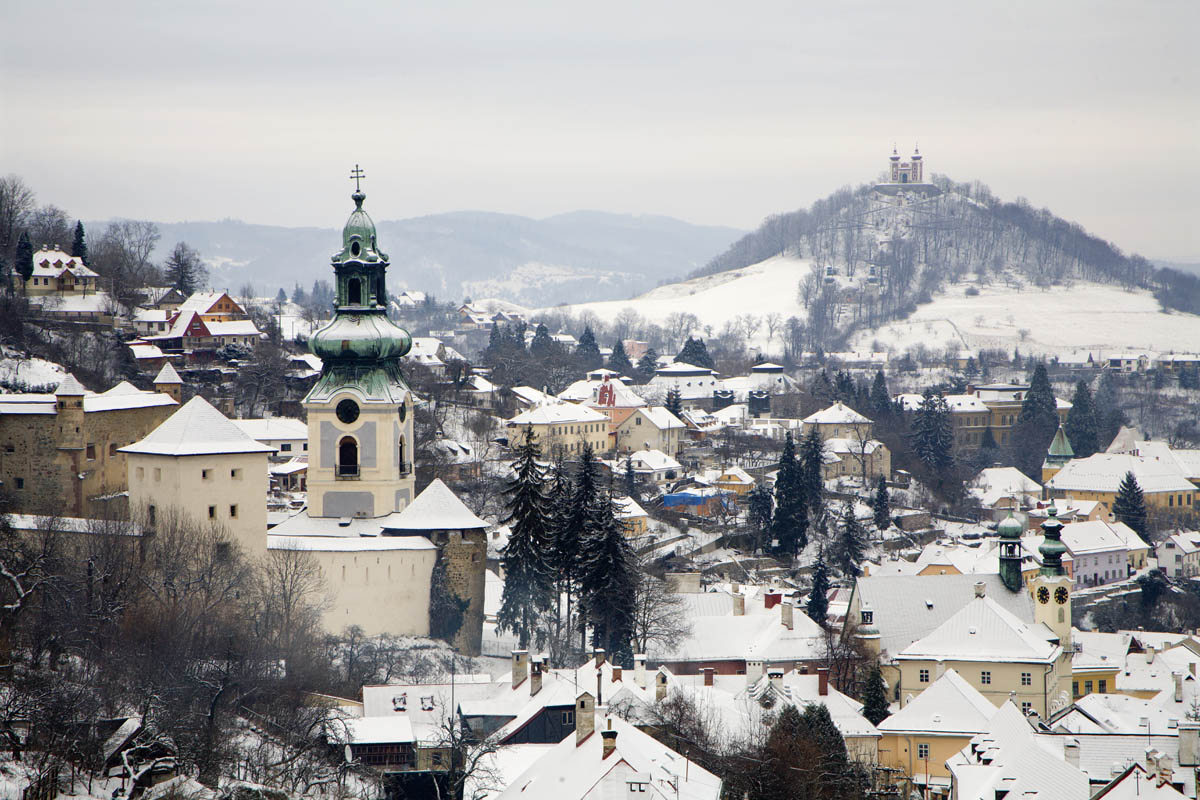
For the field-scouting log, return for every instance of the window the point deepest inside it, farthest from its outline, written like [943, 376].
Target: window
[1087, 687]
[568, 717]
[20, 483]
[922, 750]
[157, 474]
[985, 677]
[112, 449]
[233, 512]
[923, 676]
[1027, 679]
[151, 514]
[205, 474]
[1026, 707]
[347, 466]
[1103, 685]
[286, 447]
[1075, 688]
[236, 474]
[91, 452]
[212, 512]
[141, 473]
[354, 292]
[437, 759]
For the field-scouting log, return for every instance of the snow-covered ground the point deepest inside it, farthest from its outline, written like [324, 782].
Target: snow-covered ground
[1097, 318]
[17, 370]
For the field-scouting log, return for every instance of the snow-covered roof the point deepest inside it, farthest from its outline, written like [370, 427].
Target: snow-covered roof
[557, 414]
[233, 327]
[1096, 536]
[627, 508]
[1096, 650]
[167, 375]
[949, 706]
[51, 263]
[436, 508]
[202, 302]
[661, 418]
[27, 404]
[837, 414]
[983, 630]
[124, 396]
[533, 397]
[346, 544]
[272, 428]
[196, 429]
[142, 349]
[683, 368]
[994, 484]
[588, 391]
[1103, 472]
[653, 460]
[69, 387]
[380, 730]
[759, 634]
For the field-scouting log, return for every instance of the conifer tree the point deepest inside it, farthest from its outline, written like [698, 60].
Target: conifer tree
[817, 607]
[789, 526]
[971, 371]
[79, 244]
[843, 387]
[1036, 423]
[528, 575]
[1109, 415]
[1130, 505]
[874, 699]
[541, 345]
[24, 258]
[184, 270]
[630, 480]
[812, 461]
[695, 352]
[619, 362]
[988, 441]
[587, 351]
[760, 508]
[608, 580]
[674, 403]
[575, 519]
[1081, 427]
[881, 506]
[850, 542]
[647, 365]
[822, 389]
[933, 436]
[881, 399]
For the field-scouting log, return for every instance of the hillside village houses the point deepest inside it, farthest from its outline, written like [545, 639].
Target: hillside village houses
[61, 286]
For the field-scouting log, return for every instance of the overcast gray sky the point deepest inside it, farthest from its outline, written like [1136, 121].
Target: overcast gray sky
[714, 112]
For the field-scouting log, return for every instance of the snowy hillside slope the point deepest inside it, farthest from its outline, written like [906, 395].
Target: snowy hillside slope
[1081, 317]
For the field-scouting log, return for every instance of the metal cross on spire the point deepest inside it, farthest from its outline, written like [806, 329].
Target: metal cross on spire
[356, 175]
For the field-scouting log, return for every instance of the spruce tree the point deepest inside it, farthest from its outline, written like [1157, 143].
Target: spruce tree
[817, 607]
[988, 441]
[874, 699]
[281, 296]
[619, 362]
[573, 523]
[608, 580]
[647, 365]
[1130, 505]
[1109, 415]
[849, 542]
[674, 402]
[1036, 423]
[933, 436]
[822, 389]
[812, 461]
[630, 480]
[843, 387]
[587, 351]
[541, 345]
[881, 399]
[760, 508]
[24, 258]
[79, 244]
[789, 526]
[881, 506]
[528, 575]
[1081, 427]
[184, 270]
[695, 352]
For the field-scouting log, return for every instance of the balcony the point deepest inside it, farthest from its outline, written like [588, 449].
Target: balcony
[346, 472]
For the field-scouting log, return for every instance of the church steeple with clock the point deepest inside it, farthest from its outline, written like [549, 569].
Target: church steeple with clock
[360, 426]
[1052, 586]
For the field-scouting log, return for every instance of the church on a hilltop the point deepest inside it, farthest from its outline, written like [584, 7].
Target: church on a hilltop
[377, 545]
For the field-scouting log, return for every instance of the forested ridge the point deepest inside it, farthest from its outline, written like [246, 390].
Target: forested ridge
[917, 241]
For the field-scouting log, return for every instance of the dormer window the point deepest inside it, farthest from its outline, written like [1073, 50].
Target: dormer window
[354, 289]
[355, 248]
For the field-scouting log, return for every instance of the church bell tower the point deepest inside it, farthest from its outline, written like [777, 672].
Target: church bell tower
[360, 425]
[1052, 586]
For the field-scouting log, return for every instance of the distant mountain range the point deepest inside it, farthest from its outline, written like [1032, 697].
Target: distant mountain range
[534, 262]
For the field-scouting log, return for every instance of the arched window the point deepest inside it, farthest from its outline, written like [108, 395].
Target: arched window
[354, 292]
[347, 463]
[400, 451]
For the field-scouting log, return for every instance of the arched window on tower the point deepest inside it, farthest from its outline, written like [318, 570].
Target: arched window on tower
[400, 453]
[354, 292]
[347, 462]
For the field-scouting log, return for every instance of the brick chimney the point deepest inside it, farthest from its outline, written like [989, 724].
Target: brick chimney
[1178, 677]
[786, 610]
[610, 742]
[660, 685]
[616, 674]
[708, 675]
[822, 681]
[599, 653]
[535, 675]
[520, 667]
[775, 676]
[771, 599]
[739, 605]
[639, 669]
[980, 588]
[754, 671]
[585, 717]
[1189, 743]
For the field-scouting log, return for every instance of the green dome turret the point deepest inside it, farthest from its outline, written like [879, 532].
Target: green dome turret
[1052, 548]
[1010, 530]
[1010, 527]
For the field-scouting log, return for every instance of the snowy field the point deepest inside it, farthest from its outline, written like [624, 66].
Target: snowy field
[16, 370]
[1096, 318]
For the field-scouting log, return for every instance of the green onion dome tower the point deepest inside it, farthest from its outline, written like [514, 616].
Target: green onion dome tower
[360, 409]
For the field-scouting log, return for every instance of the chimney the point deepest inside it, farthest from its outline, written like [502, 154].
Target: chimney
[822, 681]
[708, 675]
[754, 671]
[1071, 752]
[739, 605]
[1178, 677]
[1150, 651]
[1189, 743]
[771, 599]
[616, 674]
[599, 652]
[1152, 760]
[535, 675]
[1165, 772]
[939, 669]
[735, 587]
[803, 669]
[639, 669]
[660, 685]
[785, 614]
[775, 676]
[520, 667]
[980, 588]
[610, 742]
[585, 717]
[1192, 668]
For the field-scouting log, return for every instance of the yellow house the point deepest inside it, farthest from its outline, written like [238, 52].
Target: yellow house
[213, 307]
[55, 272]
[1099, 476]
[1097, 659]
[562, 428]
[633, 515]
[939, 722]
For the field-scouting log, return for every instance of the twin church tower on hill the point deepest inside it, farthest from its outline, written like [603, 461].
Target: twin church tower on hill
[377, 543]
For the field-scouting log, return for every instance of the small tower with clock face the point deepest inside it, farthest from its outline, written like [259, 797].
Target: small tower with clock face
[360, 422]
[1052, 586]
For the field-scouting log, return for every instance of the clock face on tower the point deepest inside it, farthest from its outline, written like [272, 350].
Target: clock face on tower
[1060, 595]
[1043, 595]
[347, 411]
